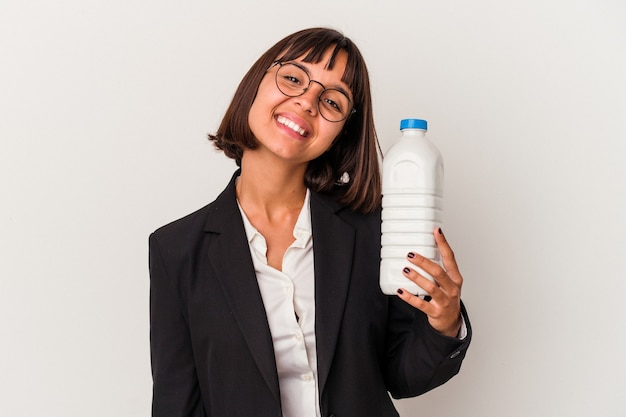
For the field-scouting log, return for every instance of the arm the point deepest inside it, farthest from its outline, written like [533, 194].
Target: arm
[419, 358]
[175, 385]
[425, 351]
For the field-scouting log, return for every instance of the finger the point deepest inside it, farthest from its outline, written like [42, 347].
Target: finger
[431, 268]
[432, 288]
[442, 309]
[415, 301]
[447, 257]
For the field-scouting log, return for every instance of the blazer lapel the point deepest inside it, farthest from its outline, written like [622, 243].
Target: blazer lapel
[333, 245]
[229, 255]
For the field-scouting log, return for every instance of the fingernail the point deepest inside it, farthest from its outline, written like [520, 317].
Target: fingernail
[440, 231]
[411, 255]
[406, 270]
[400, 291]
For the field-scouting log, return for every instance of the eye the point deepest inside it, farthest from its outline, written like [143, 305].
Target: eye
[335, 101]
[331, 104]
[290, 79]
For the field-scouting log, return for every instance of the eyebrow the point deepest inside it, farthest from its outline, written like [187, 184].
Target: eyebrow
[337, 87]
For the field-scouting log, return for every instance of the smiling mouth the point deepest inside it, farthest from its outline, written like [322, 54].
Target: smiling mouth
[291, 125]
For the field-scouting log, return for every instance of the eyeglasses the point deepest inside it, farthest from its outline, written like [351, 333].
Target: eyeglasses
[293, 81]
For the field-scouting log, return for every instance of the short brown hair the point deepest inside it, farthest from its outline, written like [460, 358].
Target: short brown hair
[356, 149]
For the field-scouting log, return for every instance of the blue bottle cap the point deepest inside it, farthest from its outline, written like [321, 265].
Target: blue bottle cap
[413, 124]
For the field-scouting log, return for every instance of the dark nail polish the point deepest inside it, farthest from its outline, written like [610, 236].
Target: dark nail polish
[411, 255]
[400, 291]
[440, 231]
[406, 270]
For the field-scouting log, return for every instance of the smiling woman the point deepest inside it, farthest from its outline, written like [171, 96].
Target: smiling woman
[266, 301]
[289, 126]
[356, 152]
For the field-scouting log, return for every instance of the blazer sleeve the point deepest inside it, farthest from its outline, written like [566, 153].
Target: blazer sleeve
[176, 391]
[418, 357]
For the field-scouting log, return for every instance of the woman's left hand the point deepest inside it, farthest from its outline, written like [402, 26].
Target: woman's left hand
[444, 307]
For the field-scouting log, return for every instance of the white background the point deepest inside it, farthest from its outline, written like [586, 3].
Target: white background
[104, 111]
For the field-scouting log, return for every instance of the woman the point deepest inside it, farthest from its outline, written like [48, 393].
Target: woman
[266, 302]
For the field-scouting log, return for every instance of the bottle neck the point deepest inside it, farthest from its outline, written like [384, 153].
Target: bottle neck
[413, 132]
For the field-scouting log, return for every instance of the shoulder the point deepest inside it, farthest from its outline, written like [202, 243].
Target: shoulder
[190, 228]
[184, 227]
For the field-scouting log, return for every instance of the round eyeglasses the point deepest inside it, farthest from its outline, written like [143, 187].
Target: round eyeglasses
[293, 81]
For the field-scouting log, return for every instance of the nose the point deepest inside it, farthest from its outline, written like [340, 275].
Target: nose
[309, 100]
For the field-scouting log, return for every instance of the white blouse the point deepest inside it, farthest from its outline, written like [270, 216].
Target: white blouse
[289, 299]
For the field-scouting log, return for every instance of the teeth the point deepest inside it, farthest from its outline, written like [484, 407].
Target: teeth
[291, 125]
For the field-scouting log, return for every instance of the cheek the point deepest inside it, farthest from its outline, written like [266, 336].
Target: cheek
[335, 133]
[266, 100]
[258, 110]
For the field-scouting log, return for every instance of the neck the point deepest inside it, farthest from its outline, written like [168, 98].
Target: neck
[270, 187]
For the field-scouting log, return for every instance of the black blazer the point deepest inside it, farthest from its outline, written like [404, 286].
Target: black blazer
[212, 352]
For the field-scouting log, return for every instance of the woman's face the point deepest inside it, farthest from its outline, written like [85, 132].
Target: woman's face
[291, 128]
